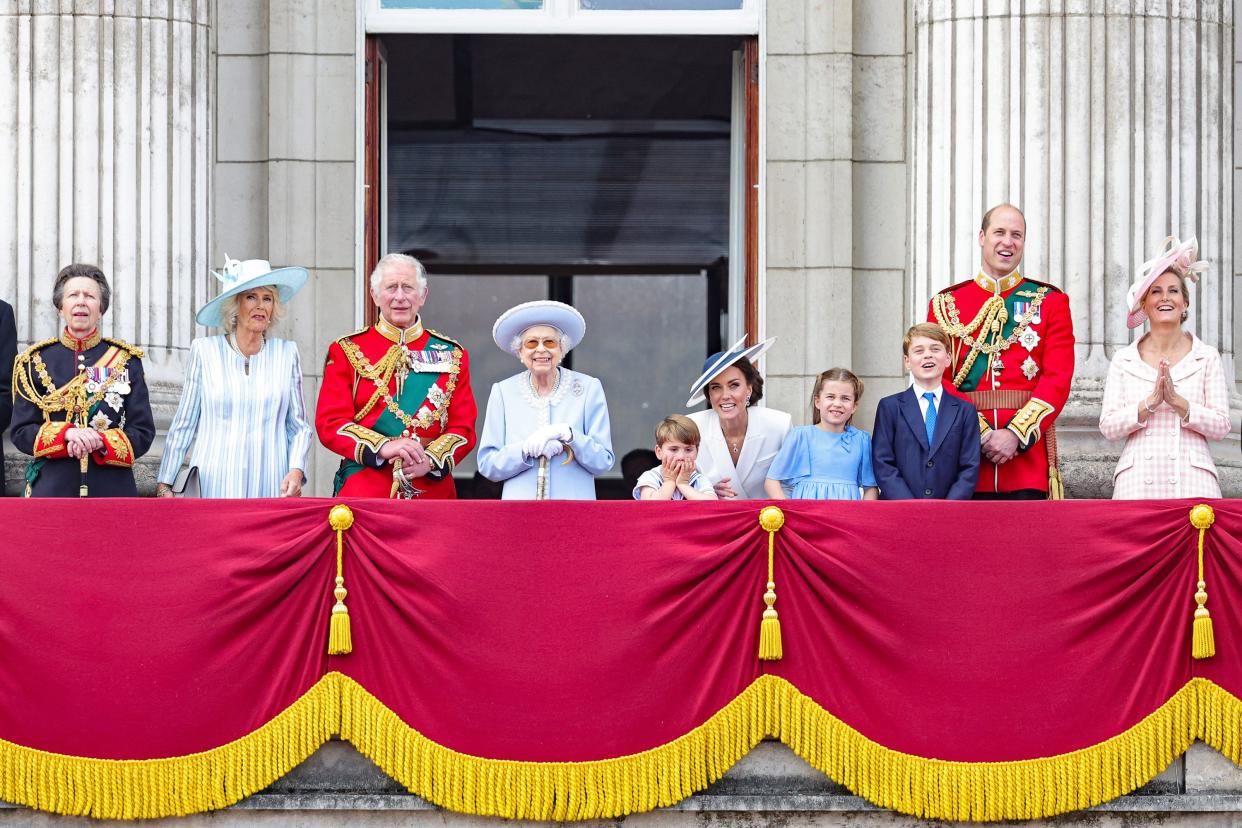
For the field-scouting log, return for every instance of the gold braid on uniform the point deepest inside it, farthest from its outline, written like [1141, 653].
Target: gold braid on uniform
[71, 397]
[381, 375]
[982, 335]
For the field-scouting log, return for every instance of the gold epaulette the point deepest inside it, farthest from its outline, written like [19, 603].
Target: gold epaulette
[26, 354]
[952, 288]
[1051, 287]
[134, 350]
[445, 338]
[350, 336]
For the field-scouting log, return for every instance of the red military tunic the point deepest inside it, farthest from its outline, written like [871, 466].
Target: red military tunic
[1013, 357]
[377, 387]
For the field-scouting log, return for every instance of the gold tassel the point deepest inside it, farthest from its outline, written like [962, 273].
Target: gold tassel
[1056, 489]
[1203, 641]
[340, 642]
[771, 519]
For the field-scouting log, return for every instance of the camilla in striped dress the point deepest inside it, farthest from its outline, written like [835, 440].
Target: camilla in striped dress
[241, 405]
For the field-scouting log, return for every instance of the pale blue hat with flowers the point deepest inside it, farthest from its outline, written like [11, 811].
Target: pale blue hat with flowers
[240, 276]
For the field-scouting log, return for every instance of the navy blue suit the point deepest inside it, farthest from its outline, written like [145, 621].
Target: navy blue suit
[906, 468]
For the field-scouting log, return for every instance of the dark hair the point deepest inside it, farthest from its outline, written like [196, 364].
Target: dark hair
[835, 375]
[88, 271]
[753, 379]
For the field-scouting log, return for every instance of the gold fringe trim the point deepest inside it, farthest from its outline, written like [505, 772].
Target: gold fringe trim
[608, 788]
[152, 788]
[929, 788]
[557, 790]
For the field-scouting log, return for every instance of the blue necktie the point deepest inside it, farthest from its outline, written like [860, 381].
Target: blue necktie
[930, 420]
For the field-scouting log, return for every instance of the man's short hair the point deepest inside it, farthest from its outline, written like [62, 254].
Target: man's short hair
[987, 217]
[393, 259]
[677, 427]
[930, 330]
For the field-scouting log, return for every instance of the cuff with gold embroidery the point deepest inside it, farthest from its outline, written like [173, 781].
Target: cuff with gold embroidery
[117, 450]
[367, 444]
[50, 441]
[1027, 420]
[984, 428]
[440, 454]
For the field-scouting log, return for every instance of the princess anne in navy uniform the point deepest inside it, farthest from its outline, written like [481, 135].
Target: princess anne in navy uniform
[80, 402]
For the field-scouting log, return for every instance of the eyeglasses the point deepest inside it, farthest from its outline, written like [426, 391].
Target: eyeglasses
[549, 343]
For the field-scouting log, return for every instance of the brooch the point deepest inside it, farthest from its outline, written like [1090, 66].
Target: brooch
[577, 388]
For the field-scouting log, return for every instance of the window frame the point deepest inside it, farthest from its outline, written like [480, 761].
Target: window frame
[563, 17]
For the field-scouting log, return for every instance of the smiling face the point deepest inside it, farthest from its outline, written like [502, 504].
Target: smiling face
[1002, 241]
[81, 305]
[398, 296]
[727, 392]
[540, 349]
[836, 403]
[255, 308]
[1166, 300]
[926, 359]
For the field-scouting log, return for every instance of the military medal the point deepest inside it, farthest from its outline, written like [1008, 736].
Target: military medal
[1030, 368]
[1029, 339]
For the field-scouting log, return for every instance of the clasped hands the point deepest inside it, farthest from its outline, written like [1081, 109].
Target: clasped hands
[547, 441]
[999, 446]
[80, 442]
[414, 462]
[1165, 391]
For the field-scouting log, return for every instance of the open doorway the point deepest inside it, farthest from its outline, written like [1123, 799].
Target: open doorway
[600, 171]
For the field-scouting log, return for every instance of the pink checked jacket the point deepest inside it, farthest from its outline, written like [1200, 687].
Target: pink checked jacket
[1166, 458]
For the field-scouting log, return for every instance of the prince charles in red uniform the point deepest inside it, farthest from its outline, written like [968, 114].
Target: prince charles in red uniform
[1013, 357]
[396, 402]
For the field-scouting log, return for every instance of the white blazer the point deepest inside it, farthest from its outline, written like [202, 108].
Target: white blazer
[765, 431]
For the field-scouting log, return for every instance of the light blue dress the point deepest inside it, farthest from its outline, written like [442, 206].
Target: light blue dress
[824, 465]
[248, 430]
[514, 411]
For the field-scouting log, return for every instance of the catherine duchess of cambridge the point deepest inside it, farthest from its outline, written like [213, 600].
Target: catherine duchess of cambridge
[740, 440]
[242, 402]
[1166, 394]
[81, 407]
[546, 434]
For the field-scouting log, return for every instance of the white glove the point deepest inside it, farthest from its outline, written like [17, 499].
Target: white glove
[533, 446]
[561, 432]
[552, 448]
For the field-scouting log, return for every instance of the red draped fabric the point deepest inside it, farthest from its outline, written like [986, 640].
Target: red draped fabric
[586, 632]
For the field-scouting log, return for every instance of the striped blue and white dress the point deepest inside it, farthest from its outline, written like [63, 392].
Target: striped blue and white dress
[248, 430]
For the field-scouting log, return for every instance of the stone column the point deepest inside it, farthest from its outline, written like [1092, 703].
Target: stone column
[104, 151]
[1109, 124]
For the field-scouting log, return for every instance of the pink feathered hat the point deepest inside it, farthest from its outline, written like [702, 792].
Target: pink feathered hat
[1183, 254]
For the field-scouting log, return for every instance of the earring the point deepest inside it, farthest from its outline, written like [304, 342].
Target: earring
[1185, 314]
[748, 399]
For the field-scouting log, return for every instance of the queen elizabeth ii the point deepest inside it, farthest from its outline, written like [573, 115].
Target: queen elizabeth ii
[546, 433]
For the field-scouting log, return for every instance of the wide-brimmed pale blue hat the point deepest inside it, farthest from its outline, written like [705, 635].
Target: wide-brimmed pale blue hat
[718, 362]
[239, 276]
[518, 318]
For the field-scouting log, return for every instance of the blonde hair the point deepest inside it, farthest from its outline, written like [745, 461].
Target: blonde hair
[232, 308]
[679, 428]
[927, 330]
[835, 375]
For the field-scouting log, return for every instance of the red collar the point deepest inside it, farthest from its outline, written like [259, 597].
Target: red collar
[78, 345]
